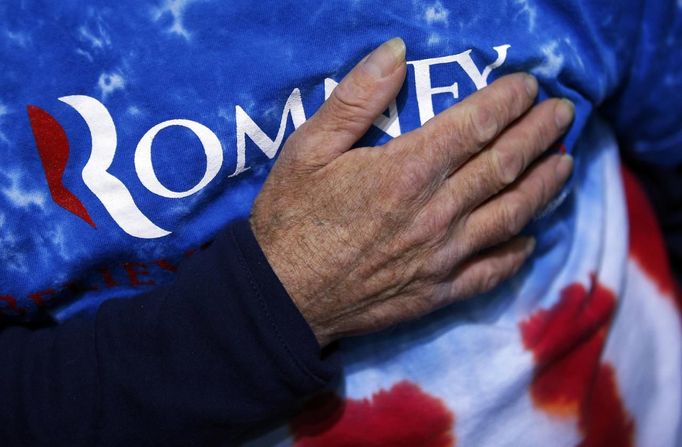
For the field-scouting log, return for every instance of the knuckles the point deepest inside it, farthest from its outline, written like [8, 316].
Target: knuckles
[491, 278]
[506, 165]
[520, 101]
[543, 193]
[482, 123]
[539, 133]
[511, 97]
[432, 226]
[544, 132]
[412, 175]
[387, 216]
[514, 214]
[349, 105]
[465, 129]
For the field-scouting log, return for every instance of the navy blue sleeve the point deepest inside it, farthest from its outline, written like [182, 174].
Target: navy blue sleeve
[196, 362]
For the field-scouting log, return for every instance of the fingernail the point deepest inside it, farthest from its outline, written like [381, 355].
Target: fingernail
[531, 86]
[386, 58]
[564, 113]
[564, 167]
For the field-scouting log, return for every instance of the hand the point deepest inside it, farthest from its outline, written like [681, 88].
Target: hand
[362, 239]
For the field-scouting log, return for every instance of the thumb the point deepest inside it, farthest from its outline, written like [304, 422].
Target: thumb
[353, 105]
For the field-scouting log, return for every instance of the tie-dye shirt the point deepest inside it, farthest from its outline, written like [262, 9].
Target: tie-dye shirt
[131, 132]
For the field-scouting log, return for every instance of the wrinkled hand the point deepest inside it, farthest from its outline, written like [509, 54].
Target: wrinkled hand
[365, 238]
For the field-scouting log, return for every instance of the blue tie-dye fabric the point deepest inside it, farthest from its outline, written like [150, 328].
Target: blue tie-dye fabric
[232, 70]
[149, 62]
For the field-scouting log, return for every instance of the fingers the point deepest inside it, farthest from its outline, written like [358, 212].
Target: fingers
[452, 137]
[505, 160]
[487, 270]
[354, 104]
[476, 275]
[506, 214]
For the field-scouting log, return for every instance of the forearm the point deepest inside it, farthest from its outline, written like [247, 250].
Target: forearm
[221, 347]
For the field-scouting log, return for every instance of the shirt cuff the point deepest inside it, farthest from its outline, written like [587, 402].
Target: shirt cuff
[289, 329]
